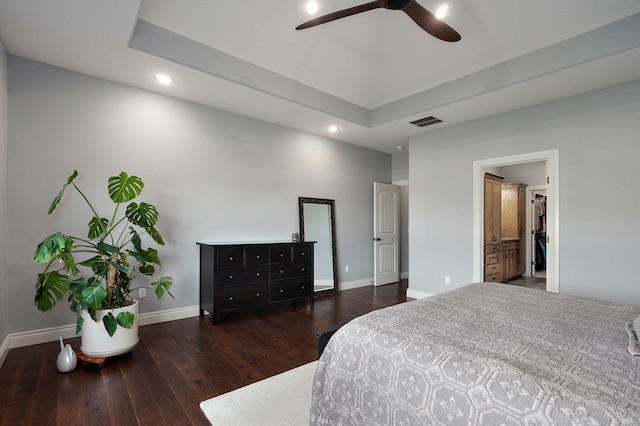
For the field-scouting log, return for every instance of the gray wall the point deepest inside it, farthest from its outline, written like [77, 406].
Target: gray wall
[212, 175]
[403, 194]
[400, 162]
[4, 303]
[597, 138]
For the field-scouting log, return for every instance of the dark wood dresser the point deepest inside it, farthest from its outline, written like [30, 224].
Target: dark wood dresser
[241, 276]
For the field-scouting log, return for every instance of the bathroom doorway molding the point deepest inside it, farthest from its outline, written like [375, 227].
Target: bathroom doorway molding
[551, 159]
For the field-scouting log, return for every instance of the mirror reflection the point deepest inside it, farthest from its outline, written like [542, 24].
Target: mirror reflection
[317, 223]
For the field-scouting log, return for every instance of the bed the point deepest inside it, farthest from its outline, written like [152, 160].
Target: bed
[487, 354]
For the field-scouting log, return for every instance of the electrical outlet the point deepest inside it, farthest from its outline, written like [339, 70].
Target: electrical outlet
[447, 280]
[142, 292]
[346, 268]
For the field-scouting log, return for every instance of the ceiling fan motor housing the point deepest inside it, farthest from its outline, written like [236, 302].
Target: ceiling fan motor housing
[397, 4]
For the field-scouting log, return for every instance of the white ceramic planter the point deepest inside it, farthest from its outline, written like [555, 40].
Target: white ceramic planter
[96, 342]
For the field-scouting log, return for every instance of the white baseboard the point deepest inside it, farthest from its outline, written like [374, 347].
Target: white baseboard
[348, 285]
[169, 315]
[45, 335]
[417, 294]
[4, 349]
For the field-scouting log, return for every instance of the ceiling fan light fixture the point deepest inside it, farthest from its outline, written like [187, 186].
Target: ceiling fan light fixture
[333, 129]
[442, 11]
[311, 6]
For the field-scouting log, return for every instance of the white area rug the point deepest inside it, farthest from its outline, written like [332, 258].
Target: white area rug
[282, 400]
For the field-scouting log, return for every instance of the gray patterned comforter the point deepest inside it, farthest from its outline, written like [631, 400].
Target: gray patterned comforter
[484, 354]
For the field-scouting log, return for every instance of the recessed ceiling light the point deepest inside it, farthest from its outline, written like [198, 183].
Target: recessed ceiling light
[442, 11]
[312, 6]
[333, 129]
[163, 79]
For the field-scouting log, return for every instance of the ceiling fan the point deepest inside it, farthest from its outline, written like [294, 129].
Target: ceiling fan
[421, 16]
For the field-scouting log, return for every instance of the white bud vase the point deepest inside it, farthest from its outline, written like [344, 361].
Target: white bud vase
[66, 360]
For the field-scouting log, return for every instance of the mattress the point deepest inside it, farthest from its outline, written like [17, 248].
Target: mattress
[485, 353]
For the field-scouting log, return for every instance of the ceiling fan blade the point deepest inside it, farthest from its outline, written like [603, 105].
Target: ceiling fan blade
[428, 22]
[342, 14]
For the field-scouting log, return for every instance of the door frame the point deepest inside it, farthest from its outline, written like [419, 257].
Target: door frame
[551, 159]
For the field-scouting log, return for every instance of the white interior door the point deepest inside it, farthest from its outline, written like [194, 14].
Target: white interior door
[385, 234]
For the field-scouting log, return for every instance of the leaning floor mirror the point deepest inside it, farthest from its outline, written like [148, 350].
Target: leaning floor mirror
[318, 223]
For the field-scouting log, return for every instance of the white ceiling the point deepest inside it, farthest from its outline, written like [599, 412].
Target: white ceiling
[370, 73]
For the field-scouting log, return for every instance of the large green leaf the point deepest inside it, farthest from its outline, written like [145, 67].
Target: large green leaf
[107, 249]
[97, 263]
[50, 289]
[56, 200]
[52, 246]
[97, 227]
[125, 319]
[124, 188]
[93, 296]
[153, 232]
[77, 286]
[149, 255]
[110, 323]
[135, 239]
[143, 214]
[147, 270]
[79, 323]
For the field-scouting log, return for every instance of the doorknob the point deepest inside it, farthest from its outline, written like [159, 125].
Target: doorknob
[377, 239]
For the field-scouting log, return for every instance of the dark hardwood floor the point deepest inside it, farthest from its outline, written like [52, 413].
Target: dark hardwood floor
[176, 365]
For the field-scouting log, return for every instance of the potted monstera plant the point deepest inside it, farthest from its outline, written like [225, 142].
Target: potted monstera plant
[96, 273]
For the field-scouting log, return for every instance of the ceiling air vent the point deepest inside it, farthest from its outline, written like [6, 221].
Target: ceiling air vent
[427, 121]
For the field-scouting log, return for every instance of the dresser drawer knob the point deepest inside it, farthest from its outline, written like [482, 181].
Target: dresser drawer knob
[302, 269]
[281, 271]
[230, 277]
[281, 254]
[302, 254]
[281, 290]
[257, 274]
[303, 287]
[230, 297]
[258, 257]
[257, 294]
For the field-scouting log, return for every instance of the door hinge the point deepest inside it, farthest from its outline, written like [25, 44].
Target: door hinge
[547, 180]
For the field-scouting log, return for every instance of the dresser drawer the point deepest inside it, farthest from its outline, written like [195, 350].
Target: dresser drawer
[302, 254]
[495, 268]
[230, 258]
[290, 289]
[239, 276]
[256, 256]
[290, 270]
[242, 296]
[280, 254]
[492, 258]
[493, 278]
